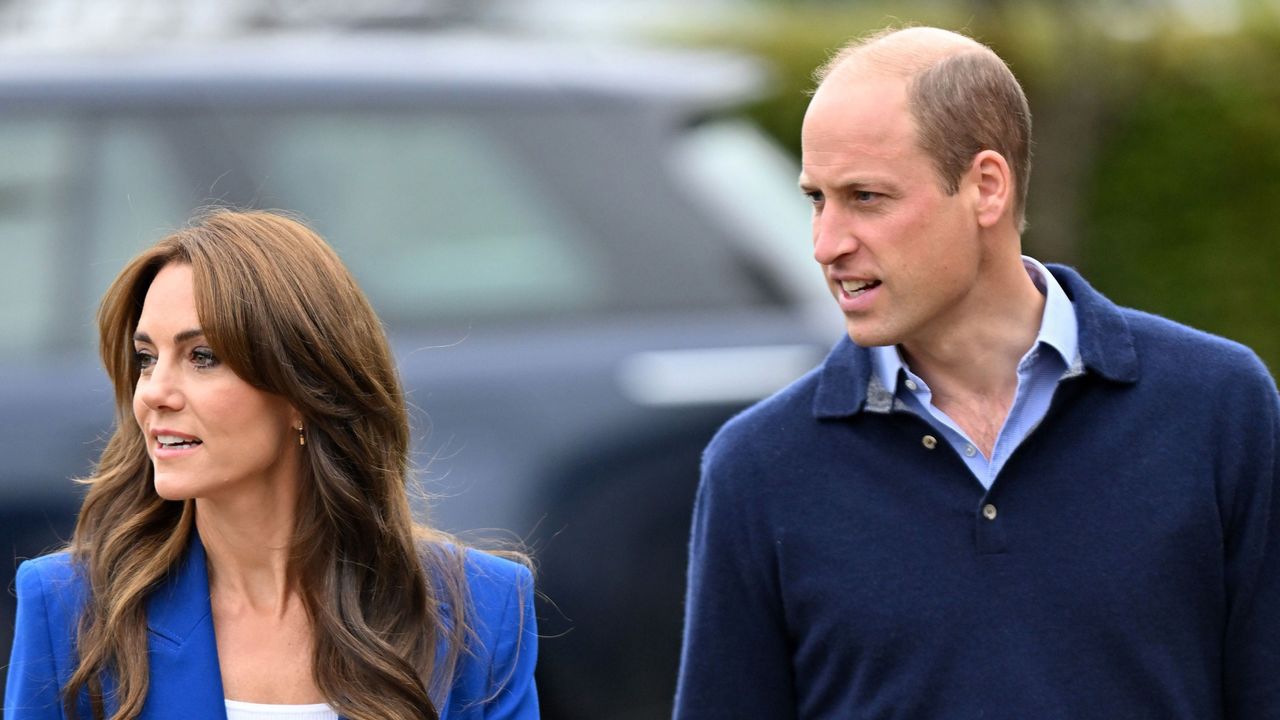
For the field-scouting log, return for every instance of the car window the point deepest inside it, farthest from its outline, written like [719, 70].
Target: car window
[432, 215]
[775, 223]
[139, 194]
[467, 215]
[36, 177]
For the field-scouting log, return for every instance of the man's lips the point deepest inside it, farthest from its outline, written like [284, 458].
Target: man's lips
[856, 294]
[854, 288]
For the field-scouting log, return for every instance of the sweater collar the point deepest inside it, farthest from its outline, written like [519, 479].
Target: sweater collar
[847, 385]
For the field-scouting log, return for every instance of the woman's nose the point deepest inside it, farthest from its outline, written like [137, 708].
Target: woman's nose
[160, 387]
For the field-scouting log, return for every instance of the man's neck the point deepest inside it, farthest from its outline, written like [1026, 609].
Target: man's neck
[971, 364]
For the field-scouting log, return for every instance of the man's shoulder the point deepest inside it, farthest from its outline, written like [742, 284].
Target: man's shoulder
[1170, 349]
[1166, 349]
[783, 431]
[783, 414]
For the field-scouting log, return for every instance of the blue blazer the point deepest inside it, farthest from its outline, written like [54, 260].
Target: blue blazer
[185, 679]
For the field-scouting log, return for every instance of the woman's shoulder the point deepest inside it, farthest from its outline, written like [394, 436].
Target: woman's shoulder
[42, 653]
[495, 589]
[495, 675]
[494, 580]
[51, 592]
[484, 577]
[54, 577]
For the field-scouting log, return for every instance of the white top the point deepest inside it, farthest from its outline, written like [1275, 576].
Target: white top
[237, 710]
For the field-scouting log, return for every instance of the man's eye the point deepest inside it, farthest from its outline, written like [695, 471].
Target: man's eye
[815, 196]
[865, 196]
[144, 359]
[203, 357]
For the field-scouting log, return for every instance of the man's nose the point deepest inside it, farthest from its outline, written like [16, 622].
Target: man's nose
[833, 236]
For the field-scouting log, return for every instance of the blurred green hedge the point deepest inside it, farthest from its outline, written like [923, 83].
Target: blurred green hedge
[1185, 207]
[1157, 155]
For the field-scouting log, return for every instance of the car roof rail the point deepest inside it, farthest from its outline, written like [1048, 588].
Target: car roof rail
[76, 23]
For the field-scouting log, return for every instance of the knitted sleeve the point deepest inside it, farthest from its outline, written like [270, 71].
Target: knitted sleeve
[1251, 515]
[736, 661]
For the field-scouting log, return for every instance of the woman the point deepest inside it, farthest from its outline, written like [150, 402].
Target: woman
[245, 548]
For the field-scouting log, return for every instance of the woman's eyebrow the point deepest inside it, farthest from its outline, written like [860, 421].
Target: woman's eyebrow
[178, 339]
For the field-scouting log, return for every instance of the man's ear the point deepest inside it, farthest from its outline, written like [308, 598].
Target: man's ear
[993, 181]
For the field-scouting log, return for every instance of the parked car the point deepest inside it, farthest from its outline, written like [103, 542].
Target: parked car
[584, 262]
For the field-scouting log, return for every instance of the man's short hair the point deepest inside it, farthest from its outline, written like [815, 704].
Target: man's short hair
[963, 100]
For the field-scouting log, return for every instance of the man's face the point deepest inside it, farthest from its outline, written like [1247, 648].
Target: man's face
[899, 254]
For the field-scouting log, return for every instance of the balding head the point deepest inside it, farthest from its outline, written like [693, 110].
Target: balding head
[962, 96]
[900, 53]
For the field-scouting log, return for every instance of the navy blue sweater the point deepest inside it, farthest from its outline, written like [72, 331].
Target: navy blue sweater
[841, 566]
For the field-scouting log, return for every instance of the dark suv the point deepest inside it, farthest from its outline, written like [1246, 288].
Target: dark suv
[584, 263]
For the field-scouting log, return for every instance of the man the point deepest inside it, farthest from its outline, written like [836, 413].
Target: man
[1001, 496]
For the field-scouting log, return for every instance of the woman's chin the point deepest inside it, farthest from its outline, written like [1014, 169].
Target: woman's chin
[170, 486]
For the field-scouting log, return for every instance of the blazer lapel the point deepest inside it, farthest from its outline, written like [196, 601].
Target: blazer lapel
[185, 678]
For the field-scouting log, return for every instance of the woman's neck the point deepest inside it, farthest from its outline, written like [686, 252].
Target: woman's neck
[247, 543]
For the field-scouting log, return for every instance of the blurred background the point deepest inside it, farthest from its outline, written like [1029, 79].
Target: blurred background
[579, 221]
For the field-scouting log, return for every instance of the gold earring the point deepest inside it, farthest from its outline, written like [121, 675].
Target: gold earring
[302, 439]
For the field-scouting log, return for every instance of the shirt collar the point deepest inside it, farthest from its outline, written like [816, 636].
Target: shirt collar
[1058, 327]
[1103, 344]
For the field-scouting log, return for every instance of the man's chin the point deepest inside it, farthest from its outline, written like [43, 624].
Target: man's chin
[863, 335]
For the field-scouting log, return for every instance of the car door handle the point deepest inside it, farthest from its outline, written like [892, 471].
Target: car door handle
[707, 376]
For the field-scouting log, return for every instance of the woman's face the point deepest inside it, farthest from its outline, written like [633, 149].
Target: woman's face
[208, 432]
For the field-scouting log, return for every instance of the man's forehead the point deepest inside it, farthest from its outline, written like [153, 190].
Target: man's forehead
[857, 124]
[854, 91]
[870, 107]
[854, 163]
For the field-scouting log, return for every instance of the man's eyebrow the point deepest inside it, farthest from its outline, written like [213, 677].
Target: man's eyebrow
[852, 182]
[178, 339]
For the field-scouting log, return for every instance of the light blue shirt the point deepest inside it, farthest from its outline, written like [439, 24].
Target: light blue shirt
[1054, 352]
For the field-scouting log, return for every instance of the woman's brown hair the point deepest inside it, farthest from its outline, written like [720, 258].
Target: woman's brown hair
[279, 307]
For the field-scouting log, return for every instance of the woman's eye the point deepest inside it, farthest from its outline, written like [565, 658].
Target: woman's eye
[203, 357]
[144, 359]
